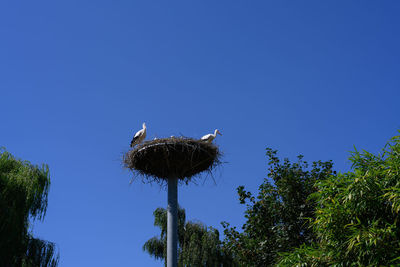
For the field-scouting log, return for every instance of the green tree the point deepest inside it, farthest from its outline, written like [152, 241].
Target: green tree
[23, 198]
[357, 217]
[198, 245]
[277, 219]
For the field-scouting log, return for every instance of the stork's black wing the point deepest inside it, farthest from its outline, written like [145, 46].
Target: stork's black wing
[133, 140]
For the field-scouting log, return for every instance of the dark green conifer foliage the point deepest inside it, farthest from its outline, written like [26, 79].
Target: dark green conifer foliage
[23, 198]
[198, 245]
[277, 218]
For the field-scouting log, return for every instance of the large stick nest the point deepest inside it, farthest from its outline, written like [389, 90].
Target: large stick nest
[182, 158]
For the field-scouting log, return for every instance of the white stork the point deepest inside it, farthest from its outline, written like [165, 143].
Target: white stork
[139, 136]
[209, 137]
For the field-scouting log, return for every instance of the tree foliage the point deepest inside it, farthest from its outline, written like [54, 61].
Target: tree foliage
[357, 217]
[277, 218]
[198, 245]
[23, 198]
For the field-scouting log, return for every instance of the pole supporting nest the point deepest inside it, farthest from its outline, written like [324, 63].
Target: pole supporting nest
[172, 223]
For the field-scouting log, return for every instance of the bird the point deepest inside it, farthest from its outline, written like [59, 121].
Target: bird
[139, 136]
[209, 137]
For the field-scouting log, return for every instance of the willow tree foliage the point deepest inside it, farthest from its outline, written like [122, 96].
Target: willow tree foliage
[23, 199]
[357, 219]
[198, 245]
[277, 218]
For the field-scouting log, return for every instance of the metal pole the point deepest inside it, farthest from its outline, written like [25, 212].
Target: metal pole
[172, 223]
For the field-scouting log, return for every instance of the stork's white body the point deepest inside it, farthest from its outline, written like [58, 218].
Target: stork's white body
[139, 136]
[208, 138]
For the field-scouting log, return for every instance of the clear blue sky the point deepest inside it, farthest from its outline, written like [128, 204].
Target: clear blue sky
[78, 78]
